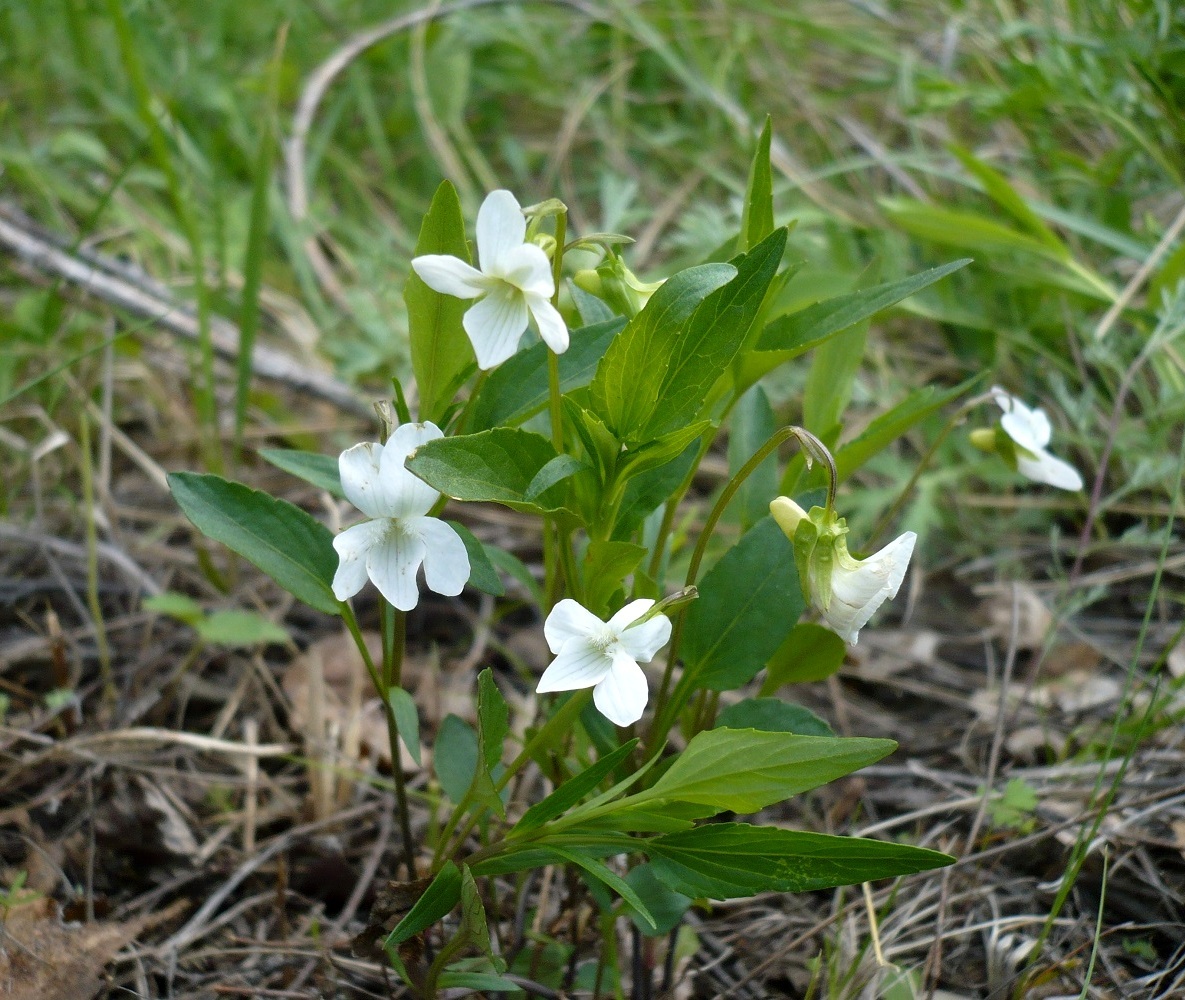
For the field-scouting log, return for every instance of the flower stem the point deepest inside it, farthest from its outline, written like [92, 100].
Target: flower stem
[561, 551]
[666, 707]
[394, 624]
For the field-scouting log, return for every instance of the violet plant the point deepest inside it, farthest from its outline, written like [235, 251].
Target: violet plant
[596, 427]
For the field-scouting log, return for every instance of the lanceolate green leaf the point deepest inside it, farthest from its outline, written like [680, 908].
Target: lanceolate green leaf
[482, 574]
[889, 426]
[714, 335]
[403, 707]
[744, 770]
[493, 716]
[440, 352]
[517, 388]
[752, 425]
[748, 603]
[439, 898]
[733, 860]
[597, 870]
[625, 388]
[573, 790]
[757, 220]
[807, 328]
[289, 545]
[312, 467]
[498, 465]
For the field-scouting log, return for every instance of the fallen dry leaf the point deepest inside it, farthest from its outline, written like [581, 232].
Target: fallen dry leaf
[43, 958]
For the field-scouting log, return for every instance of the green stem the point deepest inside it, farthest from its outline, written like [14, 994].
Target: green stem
[664, 708]
[94, 605]
[557, 558]
[392, 660]
[470, 403]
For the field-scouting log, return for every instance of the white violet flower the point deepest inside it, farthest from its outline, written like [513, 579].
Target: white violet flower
[515, 280]
[390, 548]
[1029, 430]
[604, 655]
[846, 591]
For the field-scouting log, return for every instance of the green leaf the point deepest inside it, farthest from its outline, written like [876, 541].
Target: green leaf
[809, 327]
[289, 545]
[717, 330]
[646, 492]
[772, 715]
[998, 188]
[312, 467]
[829, 383]
[556, 471]
[665, 905]
[479, 982]
[655, 817]
[733, 860]
[438, 900]
[407, 719]
[967, 230]
[573, 790]
[751, 426]
[441, 355]
[518, 388]
[474, 926]
[810, 653]
[513, 567]
[748, 603]
[757, 219]
[455, 757]
[744, 770]
[482, 574]
[594, 868]
[179, 606]
[606, 565]
[886, 428]
[624, 391]
[493, 718]
[660, 450]
[239, 628]
[498, 465]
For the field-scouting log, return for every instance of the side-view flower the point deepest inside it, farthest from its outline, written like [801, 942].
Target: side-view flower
[604, 655]
[390, 548]
[515, 281]
[845, 590]
[1028, 431]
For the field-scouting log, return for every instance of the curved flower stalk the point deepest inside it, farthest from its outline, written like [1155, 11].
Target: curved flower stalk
[390, 548]
[604, 655]
[845, 590]
[515, 281]
[1026, 432]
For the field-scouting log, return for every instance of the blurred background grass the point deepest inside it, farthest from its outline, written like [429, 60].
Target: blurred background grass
[1046, 140]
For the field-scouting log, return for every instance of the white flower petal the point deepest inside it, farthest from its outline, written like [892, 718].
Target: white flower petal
[450, 276]
[552, 327]
[501, 227]
[1029, 428]
[495, 325]
[1046, 468]
[643, 641]
[570, 620]
[407, 495]
[621, 696]
[578, 665]
[859, 587]
[446, 563]
[359, 468]
[392, 565]
[352, 547]
[527, 268]
[630, 613]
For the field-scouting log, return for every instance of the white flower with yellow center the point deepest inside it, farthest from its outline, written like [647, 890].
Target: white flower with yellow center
[390, 548]
[515, 281]
[604, 655]
[846, 591]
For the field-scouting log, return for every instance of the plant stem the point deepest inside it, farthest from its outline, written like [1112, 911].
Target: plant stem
[557, 558]
[392, 668]
[92, 564]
